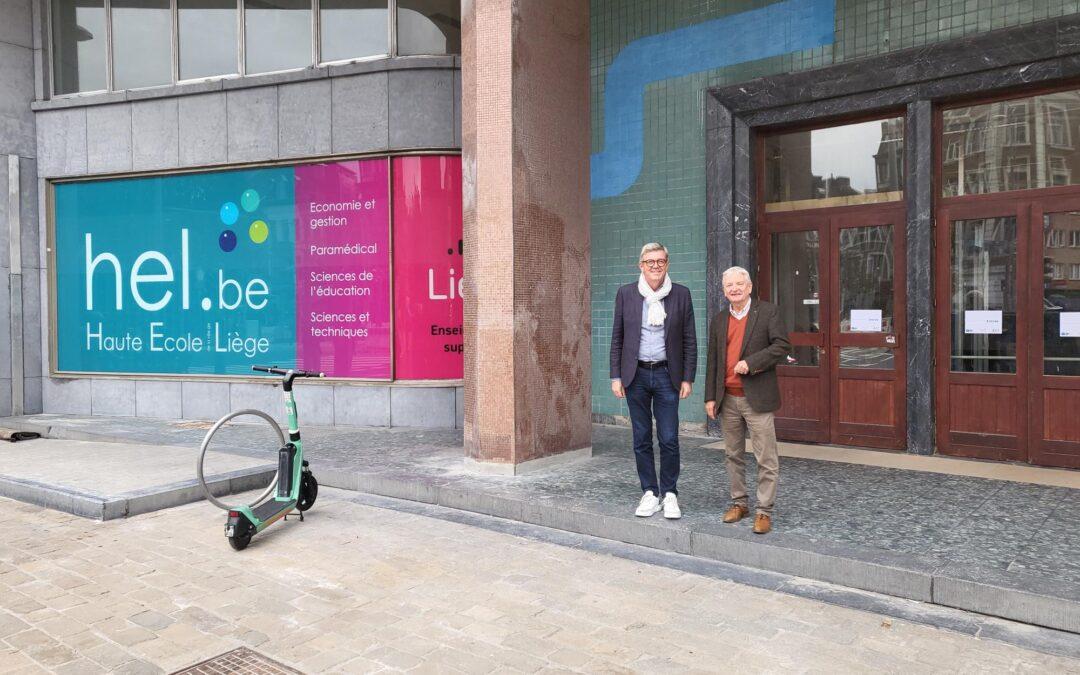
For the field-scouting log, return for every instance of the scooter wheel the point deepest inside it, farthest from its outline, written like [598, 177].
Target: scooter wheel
[309, 490]
[240, 542]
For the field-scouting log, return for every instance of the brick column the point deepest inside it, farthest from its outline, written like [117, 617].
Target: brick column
[525, 163]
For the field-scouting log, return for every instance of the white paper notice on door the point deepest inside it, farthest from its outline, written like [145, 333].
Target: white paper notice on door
[982, 322]
[1070, 325]
[866, 321]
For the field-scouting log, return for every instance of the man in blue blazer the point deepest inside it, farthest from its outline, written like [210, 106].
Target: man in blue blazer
[653, 363]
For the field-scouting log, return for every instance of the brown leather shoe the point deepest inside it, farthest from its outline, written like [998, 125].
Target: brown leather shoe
[736, 513]
[762, 523]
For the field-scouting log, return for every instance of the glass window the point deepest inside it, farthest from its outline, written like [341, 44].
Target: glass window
[277, 34]
[78, 37]
[353, 29]
[1061, 294]
[207, 38]
[428, 27]
[142, 43]
[852, 164]
[984, 295]
[866, 279]
[1010, 145]
[795, 280]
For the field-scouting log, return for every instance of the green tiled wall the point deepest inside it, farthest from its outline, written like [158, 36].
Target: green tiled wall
[667, 202]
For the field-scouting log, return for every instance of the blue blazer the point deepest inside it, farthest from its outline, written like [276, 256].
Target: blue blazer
[680, 336]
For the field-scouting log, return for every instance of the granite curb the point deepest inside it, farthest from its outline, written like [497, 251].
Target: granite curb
[109, 507]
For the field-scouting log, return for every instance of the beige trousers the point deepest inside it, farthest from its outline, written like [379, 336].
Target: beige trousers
[736, 416]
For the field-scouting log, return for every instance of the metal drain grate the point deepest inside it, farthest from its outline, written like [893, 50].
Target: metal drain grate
[241, 661]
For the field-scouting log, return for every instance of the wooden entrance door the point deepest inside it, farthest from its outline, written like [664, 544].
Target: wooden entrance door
[1054, 327]
[981, 331]
[838, 278]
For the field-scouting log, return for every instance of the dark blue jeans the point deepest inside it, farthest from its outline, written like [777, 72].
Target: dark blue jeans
[649, 396]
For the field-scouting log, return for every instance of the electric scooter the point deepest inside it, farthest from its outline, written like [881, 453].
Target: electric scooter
[296, 485]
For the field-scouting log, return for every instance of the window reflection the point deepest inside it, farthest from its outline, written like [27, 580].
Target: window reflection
[142, 43]
[850, 164]
[277, 34]
[353, 29]
[1010, 145]
[78, 36]
[429, 27]
[1061, 293]
[795, 280]
[866, 278]
[984, 295]
[207, 38]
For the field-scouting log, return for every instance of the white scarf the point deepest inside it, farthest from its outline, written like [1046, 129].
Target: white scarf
[653, 299]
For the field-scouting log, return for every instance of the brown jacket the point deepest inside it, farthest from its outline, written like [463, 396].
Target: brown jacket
[765, 345]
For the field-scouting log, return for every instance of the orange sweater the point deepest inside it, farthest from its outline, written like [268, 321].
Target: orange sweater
[736, 329]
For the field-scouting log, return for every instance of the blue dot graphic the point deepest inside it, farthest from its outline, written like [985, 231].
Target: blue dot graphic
[229, 213]
[227, 241]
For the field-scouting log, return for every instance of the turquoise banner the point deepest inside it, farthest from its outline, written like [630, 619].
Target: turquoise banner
[182, 274]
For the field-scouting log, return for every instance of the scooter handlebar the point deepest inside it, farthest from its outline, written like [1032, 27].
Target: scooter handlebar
[281, 371]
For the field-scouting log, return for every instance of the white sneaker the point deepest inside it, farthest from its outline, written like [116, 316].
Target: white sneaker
[649, 505]
[671, 506]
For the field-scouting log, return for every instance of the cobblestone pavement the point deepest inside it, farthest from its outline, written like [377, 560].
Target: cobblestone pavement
[363, 589]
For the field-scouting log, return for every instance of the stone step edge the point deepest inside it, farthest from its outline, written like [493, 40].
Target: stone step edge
[904, 577]
[109, 507]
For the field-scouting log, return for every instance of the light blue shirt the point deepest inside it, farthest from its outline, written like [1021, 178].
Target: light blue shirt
[652, 338]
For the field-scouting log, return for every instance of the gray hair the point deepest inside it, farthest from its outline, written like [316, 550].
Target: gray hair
[650, 247]
[736, 270]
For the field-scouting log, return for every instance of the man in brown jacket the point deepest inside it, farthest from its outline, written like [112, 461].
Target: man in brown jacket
[746, 342]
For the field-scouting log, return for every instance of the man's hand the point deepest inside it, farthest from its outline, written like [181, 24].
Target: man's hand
[710, 409]
[685, 389]
[741, 368]
[617, 389]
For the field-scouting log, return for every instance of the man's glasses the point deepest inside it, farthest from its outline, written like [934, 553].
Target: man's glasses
[654, 264]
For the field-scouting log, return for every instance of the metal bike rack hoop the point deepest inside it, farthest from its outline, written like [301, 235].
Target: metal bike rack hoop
[206, 445]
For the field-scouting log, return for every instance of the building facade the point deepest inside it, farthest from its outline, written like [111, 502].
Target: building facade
[197, 187]
[899, 177]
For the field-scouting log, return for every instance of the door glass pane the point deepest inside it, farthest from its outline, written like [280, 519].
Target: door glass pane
[1010, 145]
[866, 279]
[277, 35]
[850, 164]
[803, 355]
[353, 29]
[984, 295]
[78, 31]
[795, 280]
[142, 43]
[1061, 293]
[429, 27]
[207, 38]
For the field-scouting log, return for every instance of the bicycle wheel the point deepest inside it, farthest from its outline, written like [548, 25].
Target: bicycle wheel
[206, 445]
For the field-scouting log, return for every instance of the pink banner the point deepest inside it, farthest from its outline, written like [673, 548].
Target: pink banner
[428, 343]
[343, 268]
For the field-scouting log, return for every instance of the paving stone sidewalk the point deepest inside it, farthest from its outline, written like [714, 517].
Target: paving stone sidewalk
[986, 534]
[357, 589]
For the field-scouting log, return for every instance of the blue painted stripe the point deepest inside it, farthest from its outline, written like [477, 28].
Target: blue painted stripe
[781, 28]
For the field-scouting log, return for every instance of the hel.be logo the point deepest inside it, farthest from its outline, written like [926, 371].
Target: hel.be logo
[231, 295]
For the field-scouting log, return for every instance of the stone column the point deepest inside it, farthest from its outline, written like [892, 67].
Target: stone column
[525, 164]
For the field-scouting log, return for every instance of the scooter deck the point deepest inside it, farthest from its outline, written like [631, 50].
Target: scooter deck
[268, 510]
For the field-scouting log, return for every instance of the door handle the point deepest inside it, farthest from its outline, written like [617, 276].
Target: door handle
[890, 341]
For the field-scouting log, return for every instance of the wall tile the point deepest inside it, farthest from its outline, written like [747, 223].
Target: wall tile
[203, 130]
[253, 124]
[158, 398]
[70, 397]
[108, 138]
[204, 400]
[427, 407]
[304, 116]
[362, 406]
[61, 142]
[155, 134]
[421, 108]
[112, 397]
[360, 113]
